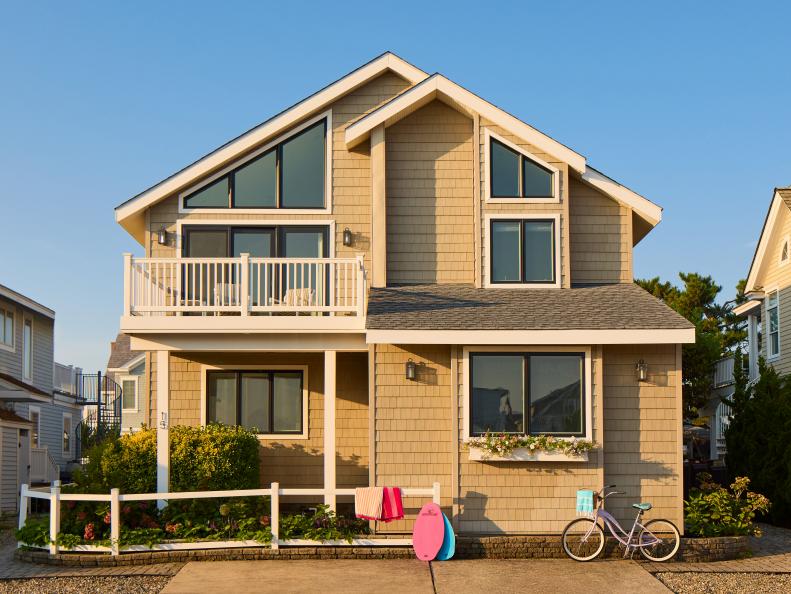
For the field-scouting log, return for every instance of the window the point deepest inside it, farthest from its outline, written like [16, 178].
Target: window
[515, 175]
[269, 402]
[204, 241]
[772, 315]
[34, 415]
[27, 349]
[784, 252]
[129, 393]
[522, 251]
[7, 328]
[289, 175]
[66, 434]
[527, 393]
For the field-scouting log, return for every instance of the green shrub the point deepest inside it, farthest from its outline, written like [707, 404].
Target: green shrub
[712, 510]
[35, 532]
[758, 438]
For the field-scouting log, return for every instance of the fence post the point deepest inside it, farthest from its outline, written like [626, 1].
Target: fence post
[435, 493]
[244, 291]
[54, 517]
[127, 284]
[274, 519]
[115, 521]
[23, 499]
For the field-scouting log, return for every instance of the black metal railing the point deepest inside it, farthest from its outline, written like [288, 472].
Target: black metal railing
[104, 395]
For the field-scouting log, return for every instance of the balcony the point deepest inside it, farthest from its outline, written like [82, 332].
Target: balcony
[243, 294]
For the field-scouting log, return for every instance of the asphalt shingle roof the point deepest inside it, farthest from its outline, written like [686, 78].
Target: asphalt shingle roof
[121, 352]
[463, 307]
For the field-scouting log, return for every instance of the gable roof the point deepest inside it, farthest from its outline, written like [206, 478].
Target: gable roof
[781, 198]
[21, 299]
[121, 353]
[130, 214]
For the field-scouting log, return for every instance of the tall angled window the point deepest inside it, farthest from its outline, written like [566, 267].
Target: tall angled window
[522, 251]
[7, 328]
[27, 350]
[290, 174]
[773, 325]
[515, 175]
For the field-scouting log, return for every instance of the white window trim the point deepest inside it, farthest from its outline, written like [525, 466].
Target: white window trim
[130, 378]
[487, 282]
[772, 356]
[294, 131]
[30, 410]
[181, 223]
[12, 347]
[25, 346]
[71, 433]
[488, 136]
[785, 242]
[589, 397]
[266, 367]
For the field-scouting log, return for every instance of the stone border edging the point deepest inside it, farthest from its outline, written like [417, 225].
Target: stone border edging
[467, 547]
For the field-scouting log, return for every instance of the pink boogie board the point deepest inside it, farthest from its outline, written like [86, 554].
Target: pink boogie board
[429, 532]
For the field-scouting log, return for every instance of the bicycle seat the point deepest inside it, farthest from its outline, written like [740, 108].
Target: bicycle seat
[642, 506]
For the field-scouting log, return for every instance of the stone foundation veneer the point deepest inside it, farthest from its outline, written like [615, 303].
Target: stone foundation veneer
[467, 547]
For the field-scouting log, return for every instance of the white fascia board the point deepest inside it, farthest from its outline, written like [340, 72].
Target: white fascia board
[532, 337]
[20, 299]
[763, 242]
[438, 85]
[747, 307]
[251, 342]
[269, 128]
[651, 212]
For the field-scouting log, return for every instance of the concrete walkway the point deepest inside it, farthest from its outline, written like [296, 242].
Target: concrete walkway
[404, 575]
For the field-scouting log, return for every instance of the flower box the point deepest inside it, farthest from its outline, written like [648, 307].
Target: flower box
[525, 455]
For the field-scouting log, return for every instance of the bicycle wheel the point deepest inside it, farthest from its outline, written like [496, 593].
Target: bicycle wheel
[575, 543]
[660, 540]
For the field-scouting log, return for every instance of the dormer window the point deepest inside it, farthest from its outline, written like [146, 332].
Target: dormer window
[290, 173]
[515, 173]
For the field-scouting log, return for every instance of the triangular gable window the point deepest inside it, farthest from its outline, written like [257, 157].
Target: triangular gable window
[514, 174]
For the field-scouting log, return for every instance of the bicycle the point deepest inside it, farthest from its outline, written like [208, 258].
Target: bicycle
[583, 538]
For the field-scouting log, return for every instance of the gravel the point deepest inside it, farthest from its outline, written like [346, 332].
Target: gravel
[730, 583]
[139, 584]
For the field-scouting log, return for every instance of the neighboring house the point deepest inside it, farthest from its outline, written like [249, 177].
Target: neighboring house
[768, 288]
[716, 412]
[127, 369]
[39, 418]
[390, 266]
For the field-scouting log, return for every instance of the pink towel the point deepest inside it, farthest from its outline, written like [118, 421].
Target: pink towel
[368, 502]
[392, 508]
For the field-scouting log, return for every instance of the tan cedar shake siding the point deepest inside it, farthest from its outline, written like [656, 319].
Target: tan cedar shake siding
[525, 206]
[429, 171]
[642, 424]
[351, 182]
[291, 462]
[525, 497]
[601, 231]
[413, 425]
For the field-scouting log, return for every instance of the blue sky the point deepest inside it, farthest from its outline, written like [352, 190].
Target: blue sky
[686, 103]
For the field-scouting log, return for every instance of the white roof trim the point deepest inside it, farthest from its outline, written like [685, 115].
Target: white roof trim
[763, 242]
[747, 307]
[437, 84]
[226, 153]
[645, 208]
[20, 299]
[531, 337]
[133, 362]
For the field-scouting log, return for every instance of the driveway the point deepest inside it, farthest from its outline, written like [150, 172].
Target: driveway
[404, 575]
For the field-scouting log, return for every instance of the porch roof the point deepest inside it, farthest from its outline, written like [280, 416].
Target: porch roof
[622, 306]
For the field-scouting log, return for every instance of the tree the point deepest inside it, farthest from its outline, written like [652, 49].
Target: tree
[717, 330]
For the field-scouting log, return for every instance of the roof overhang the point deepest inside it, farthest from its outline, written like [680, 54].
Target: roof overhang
[747, 307]
[131, 214]
[535, 337]
[12, 295]
[651, 213]
[770, 221]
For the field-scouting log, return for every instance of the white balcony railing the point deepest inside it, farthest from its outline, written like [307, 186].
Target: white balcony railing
[243, 286]
[43, 468]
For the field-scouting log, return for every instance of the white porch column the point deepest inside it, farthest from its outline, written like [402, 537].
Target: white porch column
[379, 208]
[752, 341]
[330, 364]
[163, 424]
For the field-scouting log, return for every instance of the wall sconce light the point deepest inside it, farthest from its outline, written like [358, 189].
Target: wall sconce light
[411, 370]
[162, 236]
[347, 237]
[642, 371]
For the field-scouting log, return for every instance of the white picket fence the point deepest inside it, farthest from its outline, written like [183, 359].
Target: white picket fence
[115, 498]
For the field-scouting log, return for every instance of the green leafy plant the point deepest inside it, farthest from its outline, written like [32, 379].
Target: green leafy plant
[322, 524]
[713, 510]
[68, 541]
[35, 532]
[502, 444]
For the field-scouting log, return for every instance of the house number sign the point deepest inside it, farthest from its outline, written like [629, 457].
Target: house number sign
[163, 423]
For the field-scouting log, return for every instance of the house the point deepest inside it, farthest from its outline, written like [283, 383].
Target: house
[38, 417]
[392, 266]
[768, 287]
[126, 369]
